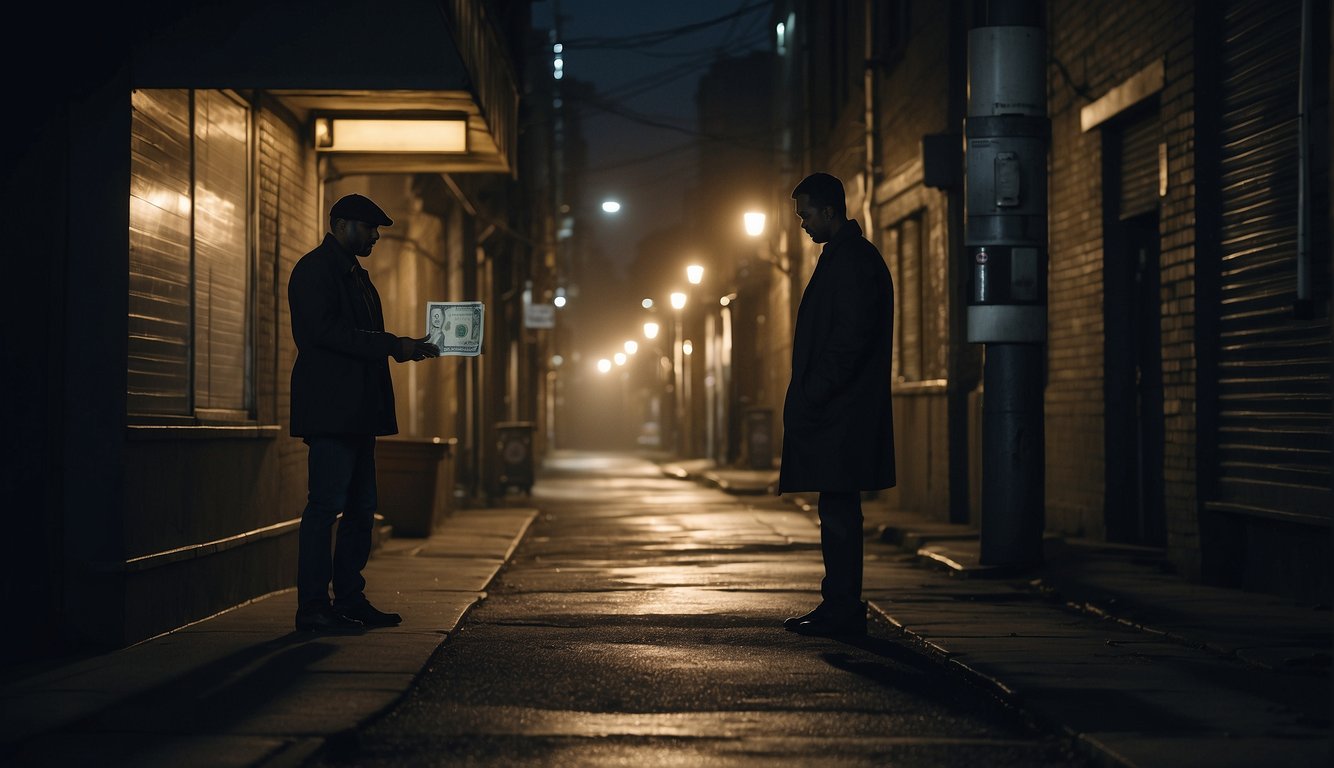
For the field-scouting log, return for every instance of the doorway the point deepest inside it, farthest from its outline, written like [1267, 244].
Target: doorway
[1134, 383]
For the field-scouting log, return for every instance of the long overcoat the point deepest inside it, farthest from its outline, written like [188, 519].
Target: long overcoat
[838, 420]
[340, 381]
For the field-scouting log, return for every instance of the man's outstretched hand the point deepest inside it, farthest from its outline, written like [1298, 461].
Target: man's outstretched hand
[415, 349]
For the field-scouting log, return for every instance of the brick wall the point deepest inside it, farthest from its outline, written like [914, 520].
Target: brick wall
[912, 101]
[1177, 228]
[289, 226]
[1094, 47]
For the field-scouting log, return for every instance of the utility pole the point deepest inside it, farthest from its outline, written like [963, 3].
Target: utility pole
[1007, 133]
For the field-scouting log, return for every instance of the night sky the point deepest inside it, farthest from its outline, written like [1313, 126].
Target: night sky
[645, 60]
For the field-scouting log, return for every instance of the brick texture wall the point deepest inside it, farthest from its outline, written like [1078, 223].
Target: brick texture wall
[289, 226]
[1095, 47]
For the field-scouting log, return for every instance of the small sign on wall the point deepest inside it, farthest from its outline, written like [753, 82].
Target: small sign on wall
[539, 316]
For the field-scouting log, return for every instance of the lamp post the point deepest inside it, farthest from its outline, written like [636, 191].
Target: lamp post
[656, 410]
[694, 323]
[678, 301]
[751, 380]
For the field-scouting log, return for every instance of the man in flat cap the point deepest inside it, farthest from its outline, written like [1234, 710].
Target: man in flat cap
[342, 399]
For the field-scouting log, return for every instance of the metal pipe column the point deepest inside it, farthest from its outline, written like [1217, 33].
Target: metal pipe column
[1007, 133]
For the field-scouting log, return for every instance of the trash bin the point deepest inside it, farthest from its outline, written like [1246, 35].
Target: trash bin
[759, 437]
[514, 443]
[408, 479]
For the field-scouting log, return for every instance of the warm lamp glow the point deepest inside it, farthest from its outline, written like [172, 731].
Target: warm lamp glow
[754, 222]
[678, 300]
[610, 206]
[687, 347]
[694, 273]
[619, 358]
[650, 330]
[631, 347]
[400, 135]
[604, 365]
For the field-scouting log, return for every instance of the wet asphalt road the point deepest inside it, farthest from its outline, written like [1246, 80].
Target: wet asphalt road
[639, 624]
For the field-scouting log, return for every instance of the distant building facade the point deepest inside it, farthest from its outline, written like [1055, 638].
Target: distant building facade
[1188, 355]
[181, 178]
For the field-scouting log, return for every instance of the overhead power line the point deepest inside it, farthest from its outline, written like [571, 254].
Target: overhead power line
[659, 36]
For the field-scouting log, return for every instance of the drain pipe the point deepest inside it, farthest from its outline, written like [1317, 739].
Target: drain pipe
[1304, 307]
[868, 86]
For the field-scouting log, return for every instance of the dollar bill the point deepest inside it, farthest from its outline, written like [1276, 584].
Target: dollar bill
[455, 327]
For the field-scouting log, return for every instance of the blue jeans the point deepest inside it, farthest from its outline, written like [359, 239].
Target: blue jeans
[341, 478]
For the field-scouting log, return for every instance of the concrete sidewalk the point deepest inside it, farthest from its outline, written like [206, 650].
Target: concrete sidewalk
[243, 688]
[1138, 666]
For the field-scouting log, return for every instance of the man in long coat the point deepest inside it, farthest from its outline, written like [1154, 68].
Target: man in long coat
[838, 422]
[342, 399]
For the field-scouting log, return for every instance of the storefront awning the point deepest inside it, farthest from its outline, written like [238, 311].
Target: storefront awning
[385, 59]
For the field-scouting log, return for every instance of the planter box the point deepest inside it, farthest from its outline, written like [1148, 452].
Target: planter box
[413, 476]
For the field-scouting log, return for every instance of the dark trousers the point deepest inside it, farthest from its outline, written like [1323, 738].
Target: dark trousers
[341, 478]
[841, 546]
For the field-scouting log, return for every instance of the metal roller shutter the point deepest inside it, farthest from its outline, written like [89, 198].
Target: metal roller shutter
[1274, 388]
[158, 366]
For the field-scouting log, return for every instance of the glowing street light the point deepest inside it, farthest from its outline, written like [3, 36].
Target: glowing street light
[754, 222]
[620, 358]
[631, 347]
[646, 303]
[651, 330]
[611, 206]
[687, 347]
[559, 299]
[678, 300]
[695, 274]
[604, 365]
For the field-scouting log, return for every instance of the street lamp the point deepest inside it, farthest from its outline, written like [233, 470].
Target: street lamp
[631, 347]
[695, 274]
[651, 330]
[604, 365]
[754, 223]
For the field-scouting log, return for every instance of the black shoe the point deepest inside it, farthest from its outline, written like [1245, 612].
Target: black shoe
[322, 618]
[791, 622]
[835, 623]
[365, 613]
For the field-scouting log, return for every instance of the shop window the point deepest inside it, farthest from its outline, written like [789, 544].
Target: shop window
[189, 352]
[919, 301]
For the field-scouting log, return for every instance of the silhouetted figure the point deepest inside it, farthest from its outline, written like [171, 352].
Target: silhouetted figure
[342, 399]
[838, 422]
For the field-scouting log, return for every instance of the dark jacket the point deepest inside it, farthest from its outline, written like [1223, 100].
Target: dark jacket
[340, 382]
[838, 421]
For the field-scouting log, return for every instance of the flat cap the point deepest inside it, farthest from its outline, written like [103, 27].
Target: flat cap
[359, 208]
